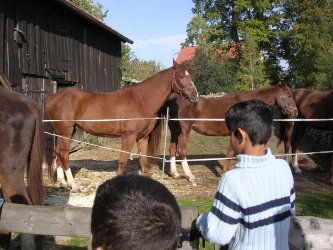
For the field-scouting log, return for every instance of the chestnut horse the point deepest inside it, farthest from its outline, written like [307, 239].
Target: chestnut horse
[22, 147]
[215, 107]
[143, 100]
[311, 104]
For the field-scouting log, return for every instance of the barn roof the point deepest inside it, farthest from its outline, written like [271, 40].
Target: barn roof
[83, 13]
[186, 54]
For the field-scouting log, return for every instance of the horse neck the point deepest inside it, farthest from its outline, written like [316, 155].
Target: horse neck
[267, 95]
[155, 90]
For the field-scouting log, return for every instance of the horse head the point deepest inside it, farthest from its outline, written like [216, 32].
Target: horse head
[286, 102]
[182, 82]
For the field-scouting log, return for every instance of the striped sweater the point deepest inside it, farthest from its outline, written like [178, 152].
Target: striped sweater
[253, 205]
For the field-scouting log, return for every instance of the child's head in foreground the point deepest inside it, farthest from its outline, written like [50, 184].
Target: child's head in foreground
[250, 119]
[135, 212]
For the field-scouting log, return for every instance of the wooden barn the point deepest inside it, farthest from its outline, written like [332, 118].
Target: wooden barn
[47, 45]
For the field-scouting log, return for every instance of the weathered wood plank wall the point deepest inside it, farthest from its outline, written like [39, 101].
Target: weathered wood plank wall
[47, 40]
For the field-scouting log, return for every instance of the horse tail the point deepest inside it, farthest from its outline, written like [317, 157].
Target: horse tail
[49, 153]
[154, 140]
[156, 134]
[36, 159]
[283, 132]
[279, 127]
[280, 133]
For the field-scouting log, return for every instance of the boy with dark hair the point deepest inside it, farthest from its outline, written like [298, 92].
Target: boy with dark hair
[135, 212]
[255, 200]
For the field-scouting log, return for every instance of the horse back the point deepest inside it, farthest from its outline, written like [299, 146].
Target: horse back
[315, 104]
[206, 107]
[75, 105]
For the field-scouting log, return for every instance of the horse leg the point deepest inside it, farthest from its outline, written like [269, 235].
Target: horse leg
[143, 149]
[297, 135]
[227, 162]
[287, 138]
[172, 152]
[62, 152]
[128, 142]
[183, 138]
[14, 190]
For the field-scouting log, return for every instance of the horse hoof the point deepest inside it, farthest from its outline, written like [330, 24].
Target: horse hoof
[63, 185]
[75, 190]
[298, 171]
[192, 180]
[145, 174]
[320, 169]
[120, 173]
[175, 175]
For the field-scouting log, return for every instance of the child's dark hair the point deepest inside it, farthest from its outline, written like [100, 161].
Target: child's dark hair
[254, 117]
[135, 212]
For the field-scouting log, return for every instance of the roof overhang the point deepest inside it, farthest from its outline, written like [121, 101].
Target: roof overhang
[80, 11]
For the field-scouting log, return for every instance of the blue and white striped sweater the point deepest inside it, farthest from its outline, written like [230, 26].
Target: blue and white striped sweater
[253, 205]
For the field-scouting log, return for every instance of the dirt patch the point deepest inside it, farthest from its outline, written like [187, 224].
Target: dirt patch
[93, 167]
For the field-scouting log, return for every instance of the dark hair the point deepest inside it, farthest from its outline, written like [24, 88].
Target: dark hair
[254, 117]
[135, 212]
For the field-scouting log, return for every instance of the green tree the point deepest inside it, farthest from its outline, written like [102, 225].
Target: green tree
[251, 72]
[135, 70]
[213, 72]
[308, 42]
[96, 9]
[220, 22]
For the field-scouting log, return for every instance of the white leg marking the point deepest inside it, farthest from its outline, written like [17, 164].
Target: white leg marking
[71, 182]
[188, 172]
[61, 177]
[173, 168]
[295, 165]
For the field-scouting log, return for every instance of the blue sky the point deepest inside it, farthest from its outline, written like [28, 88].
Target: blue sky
[157, 27]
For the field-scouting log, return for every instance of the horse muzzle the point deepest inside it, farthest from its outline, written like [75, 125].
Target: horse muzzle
[194, 98]
[291, 113]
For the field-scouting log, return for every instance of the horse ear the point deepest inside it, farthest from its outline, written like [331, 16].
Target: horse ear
[175, 64]
[283, 83]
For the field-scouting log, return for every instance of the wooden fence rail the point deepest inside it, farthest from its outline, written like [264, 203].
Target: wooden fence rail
[306, 232]
[65, 220]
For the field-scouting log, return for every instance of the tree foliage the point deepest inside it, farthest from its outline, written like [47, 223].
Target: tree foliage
[300, 32]
[135, 70]
[93, 8]
[212, 73]
[251, 69]
[308, 43]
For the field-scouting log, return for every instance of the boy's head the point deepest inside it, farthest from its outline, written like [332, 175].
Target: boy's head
[135, 212]
[253, 117]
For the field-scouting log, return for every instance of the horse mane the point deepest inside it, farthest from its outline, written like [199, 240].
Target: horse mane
[148, 79]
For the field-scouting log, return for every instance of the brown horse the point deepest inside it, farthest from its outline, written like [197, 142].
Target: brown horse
[140, 101]
[215, 108]
[22, 147]
[311, 104]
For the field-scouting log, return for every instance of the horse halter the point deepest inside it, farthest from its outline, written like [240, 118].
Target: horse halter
[179, 89]
[285, 106]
